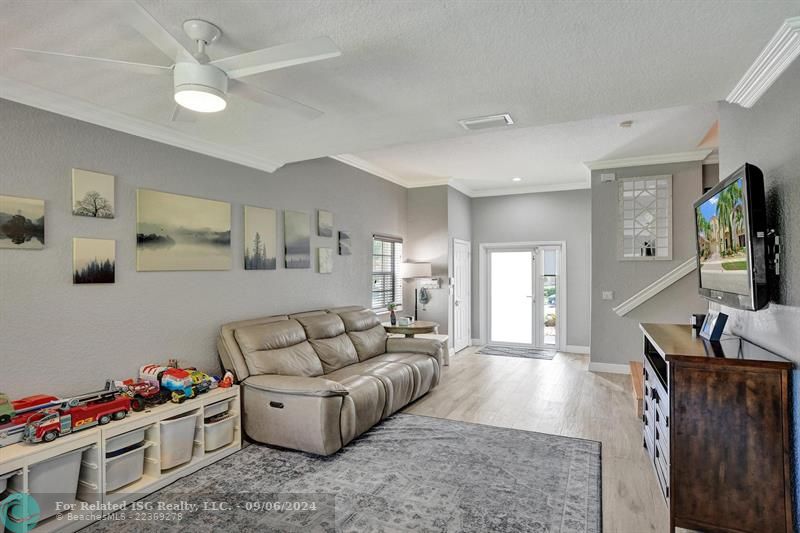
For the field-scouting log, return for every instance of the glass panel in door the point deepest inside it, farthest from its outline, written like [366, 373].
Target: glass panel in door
[511, 291]
[549, 284]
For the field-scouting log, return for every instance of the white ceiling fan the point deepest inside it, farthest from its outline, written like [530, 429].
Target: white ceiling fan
[202, 85]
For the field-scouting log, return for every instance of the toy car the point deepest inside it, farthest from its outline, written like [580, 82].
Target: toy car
[49, 424]
[144, 393]
[6, 410]
[179, 382]
[202, 381]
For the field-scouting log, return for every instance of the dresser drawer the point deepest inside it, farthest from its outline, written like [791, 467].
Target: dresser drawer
[663, 476]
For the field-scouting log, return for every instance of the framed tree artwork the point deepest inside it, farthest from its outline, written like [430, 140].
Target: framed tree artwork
[260, 236]
[93, 260]
[92, 194]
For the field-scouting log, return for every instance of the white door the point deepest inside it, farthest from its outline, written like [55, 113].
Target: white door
[524, 290]
[462, 316]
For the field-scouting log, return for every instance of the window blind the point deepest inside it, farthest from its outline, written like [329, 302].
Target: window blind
[387, 286]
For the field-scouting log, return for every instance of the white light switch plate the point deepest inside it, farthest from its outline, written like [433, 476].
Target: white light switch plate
[608, 295]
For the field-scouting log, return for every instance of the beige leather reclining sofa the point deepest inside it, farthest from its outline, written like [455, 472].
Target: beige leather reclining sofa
[314, 381]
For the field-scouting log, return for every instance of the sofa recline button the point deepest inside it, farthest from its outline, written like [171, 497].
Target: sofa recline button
[276, 405]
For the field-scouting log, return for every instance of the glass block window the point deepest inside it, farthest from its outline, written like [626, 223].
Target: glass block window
[645, 218]
[387, 285]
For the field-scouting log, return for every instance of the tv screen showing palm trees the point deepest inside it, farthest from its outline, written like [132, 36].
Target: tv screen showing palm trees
[722, 241]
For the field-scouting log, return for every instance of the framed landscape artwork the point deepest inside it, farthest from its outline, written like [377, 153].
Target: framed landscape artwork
[260, 236]
[324, 223]
[176, 232]
[92, 194]
[344, 243]
[325, 260]
[93, 260]
[297, 239]
[21, 223]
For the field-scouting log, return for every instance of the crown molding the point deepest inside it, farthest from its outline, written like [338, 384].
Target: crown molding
[369, 168]
[712, 159]
[530, 189]
[782, 49]
[459, 185]
[33, 96]
[646, 160]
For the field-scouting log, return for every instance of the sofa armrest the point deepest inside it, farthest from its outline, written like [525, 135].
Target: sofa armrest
[296, 385]
[430, 347]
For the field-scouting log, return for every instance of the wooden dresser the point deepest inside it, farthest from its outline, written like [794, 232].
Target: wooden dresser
[716, 428]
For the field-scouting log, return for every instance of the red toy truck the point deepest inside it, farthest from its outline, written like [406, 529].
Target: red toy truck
[48, 424]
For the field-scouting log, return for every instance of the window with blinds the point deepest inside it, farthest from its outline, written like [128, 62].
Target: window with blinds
[387, 285]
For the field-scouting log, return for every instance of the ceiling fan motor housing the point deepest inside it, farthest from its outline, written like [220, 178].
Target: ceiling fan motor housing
[199, 77]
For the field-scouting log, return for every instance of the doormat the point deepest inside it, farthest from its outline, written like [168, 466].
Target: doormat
[517, 351]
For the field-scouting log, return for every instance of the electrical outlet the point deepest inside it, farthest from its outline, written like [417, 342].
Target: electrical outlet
[608, 295]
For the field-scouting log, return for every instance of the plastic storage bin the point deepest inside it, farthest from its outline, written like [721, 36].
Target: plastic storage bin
[52, 481]
[124, 441]
[216, 408]
[219, 434]
[177, 440]
[124, 466]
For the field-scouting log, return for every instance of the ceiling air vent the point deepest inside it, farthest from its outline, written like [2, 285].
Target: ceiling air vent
[484, 123]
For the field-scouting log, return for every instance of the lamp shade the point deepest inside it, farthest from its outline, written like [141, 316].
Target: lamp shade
[415, 270]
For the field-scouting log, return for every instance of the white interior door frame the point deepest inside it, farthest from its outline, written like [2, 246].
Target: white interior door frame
[483, 279]
[465, 302]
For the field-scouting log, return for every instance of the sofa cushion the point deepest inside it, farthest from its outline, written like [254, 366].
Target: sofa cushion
[335, 353]
[360, 320]
[397, 379]
[322, 326]
[333, 347]
[425, 368]
[369, 343]
[363, 407]
[278, 348]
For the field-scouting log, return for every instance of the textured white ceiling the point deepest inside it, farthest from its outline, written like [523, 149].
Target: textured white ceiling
[409, 69]
[545, 157]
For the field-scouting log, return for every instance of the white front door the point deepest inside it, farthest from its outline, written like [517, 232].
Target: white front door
[524, 296]
[462, 316]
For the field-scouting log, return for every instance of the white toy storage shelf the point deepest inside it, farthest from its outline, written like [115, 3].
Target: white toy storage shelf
[125, 460]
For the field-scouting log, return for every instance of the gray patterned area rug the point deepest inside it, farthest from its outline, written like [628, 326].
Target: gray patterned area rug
[517, 351]
[407, 473]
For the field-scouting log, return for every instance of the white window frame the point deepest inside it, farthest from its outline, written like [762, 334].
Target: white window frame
[628, 212]
[397, 259]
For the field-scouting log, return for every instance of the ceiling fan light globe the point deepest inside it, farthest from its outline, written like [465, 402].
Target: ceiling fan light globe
[200, 99]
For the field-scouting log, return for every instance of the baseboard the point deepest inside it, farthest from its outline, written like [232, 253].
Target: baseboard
[609, 368]
[477, 342]
[574, 348]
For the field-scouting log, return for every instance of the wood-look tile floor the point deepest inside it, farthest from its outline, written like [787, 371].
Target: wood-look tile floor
[560, 397]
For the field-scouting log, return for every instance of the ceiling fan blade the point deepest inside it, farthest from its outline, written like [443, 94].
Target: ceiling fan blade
[181, 114]
[276, 57]
[129, 66]
[269, 99]
[154, 32]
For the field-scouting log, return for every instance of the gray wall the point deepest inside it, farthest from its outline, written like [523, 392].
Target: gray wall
[554, 216]
[616, 339]
[62, 338]
[459, 226]
[427, 232]
[768, 136]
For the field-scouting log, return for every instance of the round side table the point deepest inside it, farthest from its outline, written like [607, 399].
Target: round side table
[415, 328]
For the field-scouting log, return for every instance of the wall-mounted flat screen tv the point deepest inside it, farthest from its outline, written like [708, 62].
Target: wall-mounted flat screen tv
[730, 223]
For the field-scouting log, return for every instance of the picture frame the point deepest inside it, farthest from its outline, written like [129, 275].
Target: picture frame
[713, 325]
